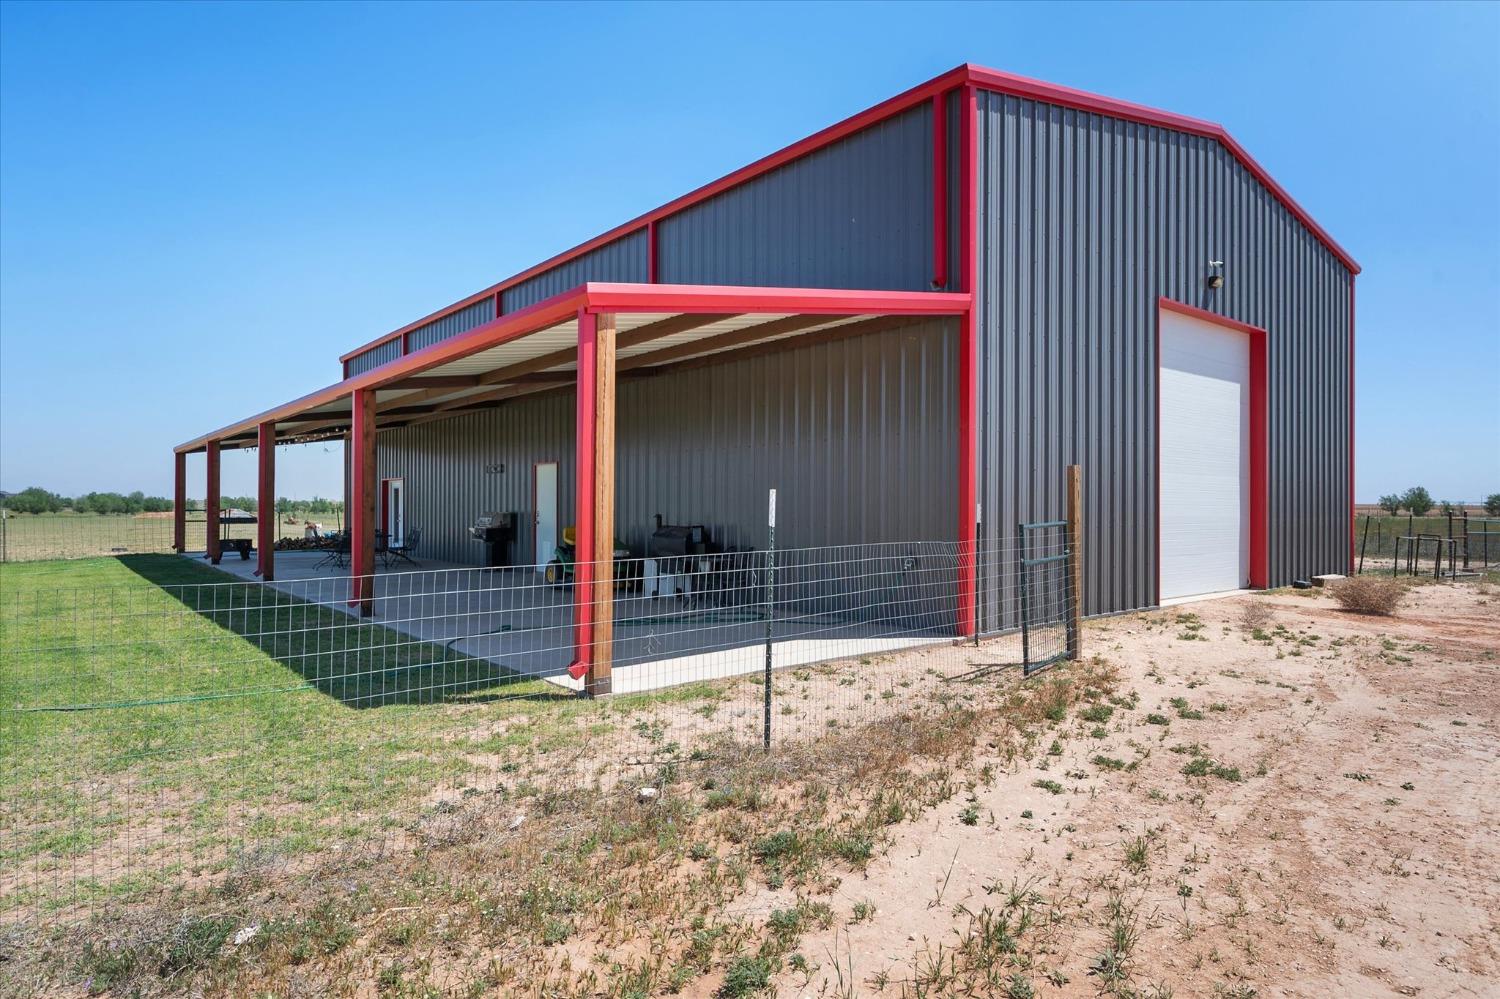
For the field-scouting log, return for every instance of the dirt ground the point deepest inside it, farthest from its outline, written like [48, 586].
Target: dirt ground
[1261, 795]
[1357, 853]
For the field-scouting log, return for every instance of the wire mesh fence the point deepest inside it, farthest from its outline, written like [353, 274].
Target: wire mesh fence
[1439, 544]
[36, 537]
[169, 729]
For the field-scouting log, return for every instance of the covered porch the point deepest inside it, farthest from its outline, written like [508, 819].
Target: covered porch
[586, 339]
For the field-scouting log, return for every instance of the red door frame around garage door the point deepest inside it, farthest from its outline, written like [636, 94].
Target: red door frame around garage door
[1260, 540]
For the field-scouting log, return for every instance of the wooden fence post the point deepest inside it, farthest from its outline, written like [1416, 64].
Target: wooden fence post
[1075, 562]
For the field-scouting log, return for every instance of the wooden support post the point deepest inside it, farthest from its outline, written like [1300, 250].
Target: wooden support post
[265, 540]
[604, 503]
[362, 502]
[1075, 562]
[211, 501]
[179, 502]
[594, 511]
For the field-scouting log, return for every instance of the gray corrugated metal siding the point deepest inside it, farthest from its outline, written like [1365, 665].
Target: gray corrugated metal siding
[857, 435]
[1085, 222]
[465, 319]
[623, 259]
[373, 358]
[854, 214]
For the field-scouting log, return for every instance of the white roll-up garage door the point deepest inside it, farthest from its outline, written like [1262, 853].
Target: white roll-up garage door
[1205, 452]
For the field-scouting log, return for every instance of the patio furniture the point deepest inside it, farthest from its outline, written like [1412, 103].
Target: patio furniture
[405, 550]
[338, 551]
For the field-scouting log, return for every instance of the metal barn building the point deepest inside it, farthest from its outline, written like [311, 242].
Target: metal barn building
[908, 324]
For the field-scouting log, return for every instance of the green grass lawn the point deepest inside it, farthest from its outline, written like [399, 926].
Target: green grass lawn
[153, 724]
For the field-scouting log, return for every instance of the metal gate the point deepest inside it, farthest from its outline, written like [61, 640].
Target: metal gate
[1046, 576]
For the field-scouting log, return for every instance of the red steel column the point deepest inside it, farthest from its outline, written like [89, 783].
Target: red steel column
[968, 369]
[211, 501]
[583, 506]
[1351, 425]
[362, 503]
[179, 502]
[265, 543]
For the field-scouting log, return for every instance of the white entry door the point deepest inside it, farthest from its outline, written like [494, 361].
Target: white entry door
[1205, 457]
[395, 512]
[544, 521]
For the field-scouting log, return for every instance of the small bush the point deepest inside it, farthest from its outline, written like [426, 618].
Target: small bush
[746, 976]
[1255, 615]
[1368, 594]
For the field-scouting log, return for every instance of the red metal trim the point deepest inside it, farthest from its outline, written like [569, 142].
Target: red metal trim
[211, 501]
[606, 297]
[1192, 311]
[966, 74]
[968, 371]
[1051, 93]
[940, 190]
[1351, 425]
[1259, 457]
[362, 534]
[179, 502]
[583, 507]
[692, 298]
[651, 258]
[833, 133]
[265, 492]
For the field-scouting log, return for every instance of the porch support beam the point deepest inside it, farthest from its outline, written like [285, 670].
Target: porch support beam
[179, 502]
[594, 513]
[265, 494]
[362, 503]
[211, 500]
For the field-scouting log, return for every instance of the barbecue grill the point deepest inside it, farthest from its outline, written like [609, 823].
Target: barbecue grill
[228, 544]
[498, 532]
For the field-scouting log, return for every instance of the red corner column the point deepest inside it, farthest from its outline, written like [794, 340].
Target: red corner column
[968, 368]
[179, 502]
[362, 502]
[594, 510]
[265, 542]
[583, 505]
[211, 501]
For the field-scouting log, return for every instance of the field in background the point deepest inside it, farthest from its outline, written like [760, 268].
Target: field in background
[31, 537]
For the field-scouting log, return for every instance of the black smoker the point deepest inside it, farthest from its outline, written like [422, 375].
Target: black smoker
[498, 532]
[675, 546]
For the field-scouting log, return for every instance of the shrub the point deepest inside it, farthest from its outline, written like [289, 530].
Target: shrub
[1368, 594]
[1391, 503]
[1492, 504]
[1255, 615]
[746, 976]
[1417, 501]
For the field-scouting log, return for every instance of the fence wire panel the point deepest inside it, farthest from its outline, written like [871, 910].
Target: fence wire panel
[1387, 542]
[1044, 565]
[36, 537]
[168, 731]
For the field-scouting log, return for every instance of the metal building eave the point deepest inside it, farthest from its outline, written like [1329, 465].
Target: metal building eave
[678, 322]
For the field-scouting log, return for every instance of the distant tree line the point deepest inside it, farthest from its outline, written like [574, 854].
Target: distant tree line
[1418, 502]
[39, 500]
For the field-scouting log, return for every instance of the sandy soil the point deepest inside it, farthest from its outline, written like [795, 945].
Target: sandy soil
[1359, 853]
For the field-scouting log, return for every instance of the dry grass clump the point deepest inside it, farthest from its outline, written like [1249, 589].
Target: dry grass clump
[1368, 594]
[561, 882]
[1255, 615]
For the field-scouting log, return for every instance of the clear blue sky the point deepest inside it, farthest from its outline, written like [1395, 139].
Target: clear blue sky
[202, 206]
